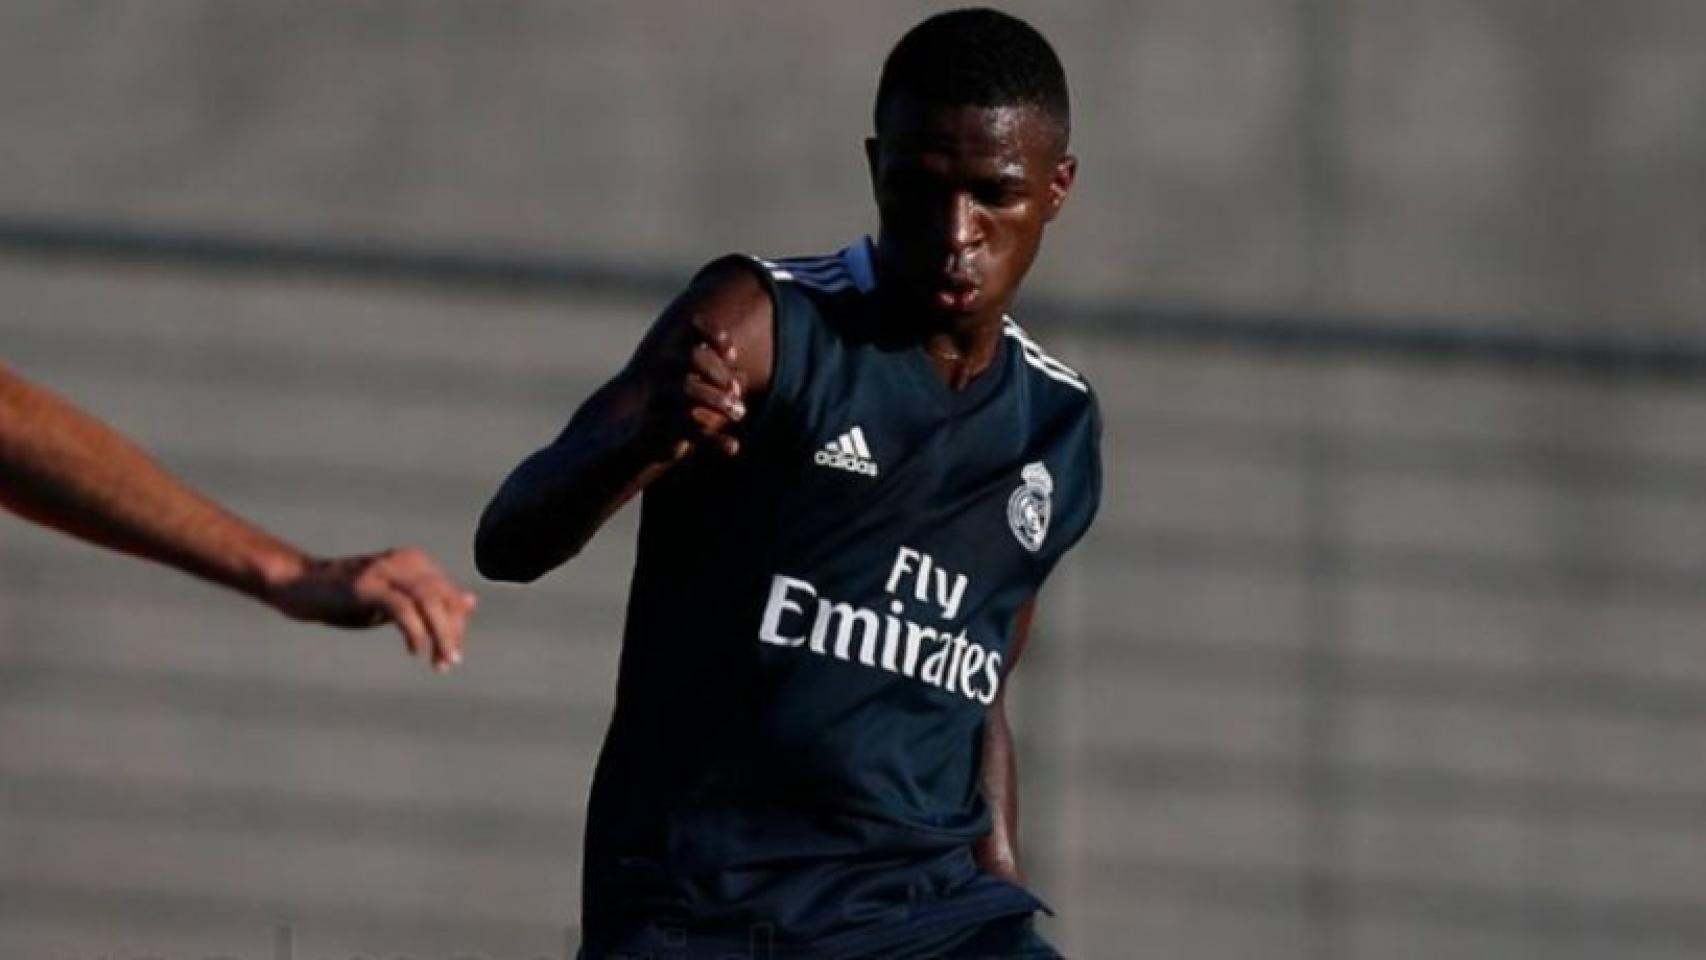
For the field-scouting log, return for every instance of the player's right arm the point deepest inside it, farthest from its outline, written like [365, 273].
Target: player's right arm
[63, 468]
[686, 389]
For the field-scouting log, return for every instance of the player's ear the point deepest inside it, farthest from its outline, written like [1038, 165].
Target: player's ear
[1060, 183]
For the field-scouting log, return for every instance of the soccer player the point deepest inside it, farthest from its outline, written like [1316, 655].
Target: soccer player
[64, 469]
[858, 471]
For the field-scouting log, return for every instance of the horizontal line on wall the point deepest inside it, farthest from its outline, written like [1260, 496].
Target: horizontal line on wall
[1367, 788]
[1354, 562]
[1545, 465]
[1555, 349]
[247, 367]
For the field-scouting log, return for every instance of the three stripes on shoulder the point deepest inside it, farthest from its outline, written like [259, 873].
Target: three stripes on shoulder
[1036, 357]
[829, 273]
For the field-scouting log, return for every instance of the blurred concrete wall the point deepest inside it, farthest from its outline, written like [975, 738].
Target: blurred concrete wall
[1531, 160]
[1367, 659]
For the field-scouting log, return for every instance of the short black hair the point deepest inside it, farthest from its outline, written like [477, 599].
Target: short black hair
[977, 57]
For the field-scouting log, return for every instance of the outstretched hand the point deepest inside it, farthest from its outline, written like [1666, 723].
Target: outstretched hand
[402, 586]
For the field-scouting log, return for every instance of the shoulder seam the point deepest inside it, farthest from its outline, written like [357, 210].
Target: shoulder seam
[1041, 360]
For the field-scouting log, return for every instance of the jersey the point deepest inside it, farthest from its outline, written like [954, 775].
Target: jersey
[815, 631]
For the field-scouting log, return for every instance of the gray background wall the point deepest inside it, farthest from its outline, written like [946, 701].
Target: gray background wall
[1371, 655]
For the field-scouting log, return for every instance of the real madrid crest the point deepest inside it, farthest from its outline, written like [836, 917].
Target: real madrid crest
[1028, 507]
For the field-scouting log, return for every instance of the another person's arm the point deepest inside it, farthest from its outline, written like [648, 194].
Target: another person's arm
[64, 469]
[685, 388]
[998, 853]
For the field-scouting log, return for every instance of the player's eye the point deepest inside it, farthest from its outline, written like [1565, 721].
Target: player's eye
[911, 185]
[1000, 194]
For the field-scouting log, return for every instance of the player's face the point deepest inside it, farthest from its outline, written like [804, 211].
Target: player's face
[963, 194]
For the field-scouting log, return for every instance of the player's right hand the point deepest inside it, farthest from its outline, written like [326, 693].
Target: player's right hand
[696, 399]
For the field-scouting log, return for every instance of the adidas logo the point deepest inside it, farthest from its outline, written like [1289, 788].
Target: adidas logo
[849, 453]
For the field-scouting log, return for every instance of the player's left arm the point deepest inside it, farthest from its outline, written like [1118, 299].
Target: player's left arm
[998, 853]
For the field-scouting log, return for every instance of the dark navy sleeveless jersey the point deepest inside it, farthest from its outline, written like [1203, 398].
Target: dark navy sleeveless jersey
[815, 631]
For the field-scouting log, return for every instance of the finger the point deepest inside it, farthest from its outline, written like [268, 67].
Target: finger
[691, 426]
[724, 443]
[412, 565]
[452, 626]
[456, 606]
[681, 419]
[408, 620]
[419, 568]
[705, 425]
[448, 620]
[721, 400]
[719, 340]
[443, 624]
[705, 362]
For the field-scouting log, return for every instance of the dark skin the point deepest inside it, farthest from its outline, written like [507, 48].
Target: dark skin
[963, 195]
[998, 853]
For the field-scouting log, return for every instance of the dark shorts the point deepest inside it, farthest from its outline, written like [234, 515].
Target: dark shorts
[1007, 938]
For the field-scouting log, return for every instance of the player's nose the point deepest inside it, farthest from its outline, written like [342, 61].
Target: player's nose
[963, 228]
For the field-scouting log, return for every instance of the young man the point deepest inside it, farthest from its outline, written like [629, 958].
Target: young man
[858, 472]
[64, 469]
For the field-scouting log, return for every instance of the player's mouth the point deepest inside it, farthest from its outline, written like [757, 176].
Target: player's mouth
[956, 293]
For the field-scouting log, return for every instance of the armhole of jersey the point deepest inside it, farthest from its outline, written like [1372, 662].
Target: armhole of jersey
[1096, 469]
[784, 381]
[1095, 493]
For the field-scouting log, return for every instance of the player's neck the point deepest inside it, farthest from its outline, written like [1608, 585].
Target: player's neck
[960, 348]
[964, 351]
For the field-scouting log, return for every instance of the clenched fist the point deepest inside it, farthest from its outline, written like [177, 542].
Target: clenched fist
[696, 397]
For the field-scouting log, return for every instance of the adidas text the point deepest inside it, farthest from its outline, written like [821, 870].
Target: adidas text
[845, 461]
